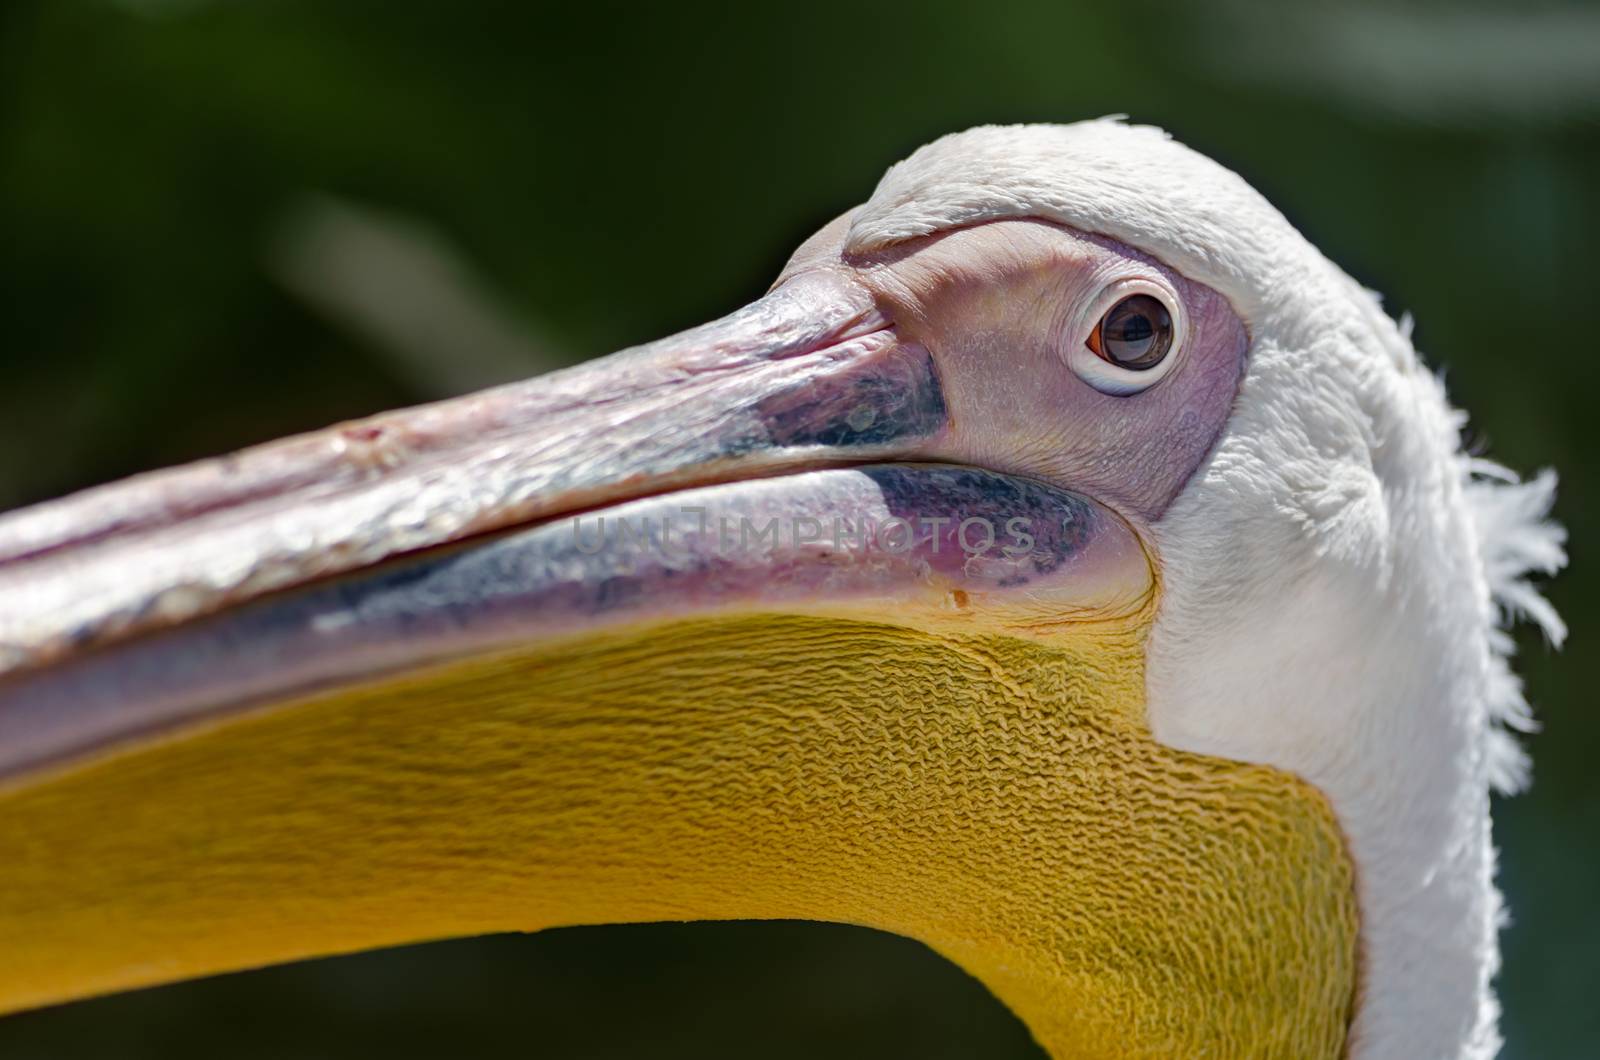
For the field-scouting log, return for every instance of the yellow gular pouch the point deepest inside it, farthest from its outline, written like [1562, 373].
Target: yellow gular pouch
[1000, 799]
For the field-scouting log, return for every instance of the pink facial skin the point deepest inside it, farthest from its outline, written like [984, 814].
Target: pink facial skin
[957, 348]
[999, 305]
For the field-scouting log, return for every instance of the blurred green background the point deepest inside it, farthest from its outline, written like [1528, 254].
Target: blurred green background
[222, 221]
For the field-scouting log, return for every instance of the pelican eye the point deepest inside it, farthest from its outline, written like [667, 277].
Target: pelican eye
[1135, 334]
[1138, 335]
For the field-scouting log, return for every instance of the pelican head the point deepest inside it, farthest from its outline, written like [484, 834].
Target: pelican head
[1063, 564]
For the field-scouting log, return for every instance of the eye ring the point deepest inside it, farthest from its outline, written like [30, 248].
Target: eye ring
[1141, 344]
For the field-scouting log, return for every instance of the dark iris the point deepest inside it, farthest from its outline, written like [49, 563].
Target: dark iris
[1136, 334]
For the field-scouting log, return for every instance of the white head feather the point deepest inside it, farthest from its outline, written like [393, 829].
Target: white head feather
[1338, 573]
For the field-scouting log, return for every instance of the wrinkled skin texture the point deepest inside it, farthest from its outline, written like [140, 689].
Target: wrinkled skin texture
[1001, 800]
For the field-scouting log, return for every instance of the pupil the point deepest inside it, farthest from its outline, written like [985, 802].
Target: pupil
[1137, 333]
[1137, 329]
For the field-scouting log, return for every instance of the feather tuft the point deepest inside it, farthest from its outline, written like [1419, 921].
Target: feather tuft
[1516, 540]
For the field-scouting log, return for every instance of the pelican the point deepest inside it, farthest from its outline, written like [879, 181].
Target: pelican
[1063, 564]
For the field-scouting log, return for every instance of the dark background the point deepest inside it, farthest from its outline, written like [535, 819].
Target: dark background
[223, 221]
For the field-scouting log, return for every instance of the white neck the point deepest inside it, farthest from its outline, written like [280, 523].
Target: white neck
[1334, 616]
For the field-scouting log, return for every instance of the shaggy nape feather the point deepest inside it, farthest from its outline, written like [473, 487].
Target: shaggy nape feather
[1515, 540]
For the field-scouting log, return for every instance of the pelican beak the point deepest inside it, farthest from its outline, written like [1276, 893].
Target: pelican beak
[709, 628]
[757, 464]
